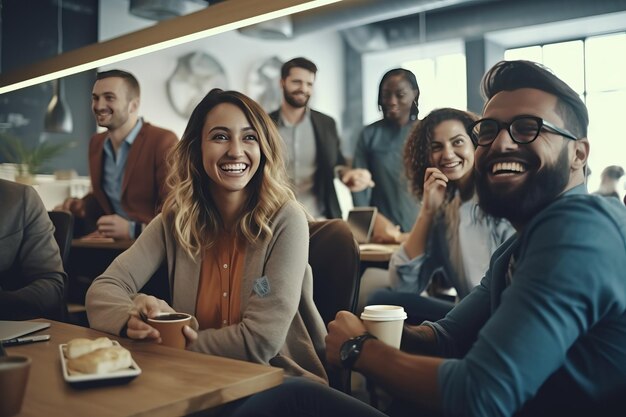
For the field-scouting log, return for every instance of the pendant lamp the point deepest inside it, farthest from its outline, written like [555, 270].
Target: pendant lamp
[58, 115]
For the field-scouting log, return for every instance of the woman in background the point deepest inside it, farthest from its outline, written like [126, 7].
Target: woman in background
[235, 242]
[379, 149]
[452, 239]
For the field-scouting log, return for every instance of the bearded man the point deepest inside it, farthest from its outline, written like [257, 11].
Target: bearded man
[544, 333]
[312, 143]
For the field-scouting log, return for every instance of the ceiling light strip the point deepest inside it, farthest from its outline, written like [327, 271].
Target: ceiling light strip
[219, 18]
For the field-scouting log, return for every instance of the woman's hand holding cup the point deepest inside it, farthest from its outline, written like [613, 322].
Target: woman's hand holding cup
[145, 307]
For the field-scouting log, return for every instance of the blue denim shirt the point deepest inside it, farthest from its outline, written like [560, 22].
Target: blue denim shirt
[113, 172]
[564, 311]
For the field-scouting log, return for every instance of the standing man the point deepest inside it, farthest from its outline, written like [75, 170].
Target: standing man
[127, 163]
[544, 333]
[313, 146]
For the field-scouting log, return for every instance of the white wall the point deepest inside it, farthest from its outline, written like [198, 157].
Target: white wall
[236, 53]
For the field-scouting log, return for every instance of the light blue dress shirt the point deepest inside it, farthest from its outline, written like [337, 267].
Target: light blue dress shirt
[113, 175]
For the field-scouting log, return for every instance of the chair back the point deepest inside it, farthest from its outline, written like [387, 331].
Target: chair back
[63, 222]
[334, 258]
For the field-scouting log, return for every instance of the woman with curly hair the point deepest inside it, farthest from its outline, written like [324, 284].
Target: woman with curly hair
[452, 239]
[235, 242]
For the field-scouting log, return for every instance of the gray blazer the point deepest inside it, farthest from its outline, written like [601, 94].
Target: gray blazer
[31, 270]
[279, 327]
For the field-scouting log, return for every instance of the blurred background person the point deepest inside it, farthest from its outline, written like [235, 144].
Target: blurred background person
[235, 242]
[608, 181]
[379, 150]
[127, 163]
[314, 156]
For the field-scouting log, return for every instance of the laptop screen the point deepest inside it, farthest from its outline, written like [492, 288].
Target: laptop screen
[361, 222]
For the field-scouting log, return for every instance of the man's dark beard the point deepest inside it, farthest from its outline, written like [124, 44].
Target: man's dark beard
[292, 102]
[524, 202]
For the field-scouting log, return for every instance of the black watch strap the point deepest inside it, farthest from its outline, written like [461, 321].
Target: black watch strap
[351, 349]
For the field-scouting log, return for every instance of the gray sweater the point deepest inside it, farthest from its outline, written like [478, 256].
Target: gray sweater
[281, 327]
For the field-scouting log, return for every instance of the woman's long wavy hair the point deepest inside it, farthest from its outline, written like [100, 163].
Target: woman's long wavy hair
[418, 149]
[190, 208]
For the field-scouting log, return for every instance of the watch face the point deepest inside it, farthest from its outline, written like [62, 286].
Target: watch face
[348, 349]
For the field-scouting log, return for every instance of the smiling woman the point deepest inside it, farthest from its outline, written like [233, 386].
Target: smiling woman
[230, 156]
[236, 245]
[451, 238]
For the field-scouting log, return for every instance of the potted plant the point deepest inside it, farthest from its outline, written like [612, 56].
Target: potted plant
[29, 161]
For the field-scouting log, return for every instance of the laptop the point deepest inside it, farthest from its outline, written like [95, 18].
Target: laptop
[12, 329]
[361, 222]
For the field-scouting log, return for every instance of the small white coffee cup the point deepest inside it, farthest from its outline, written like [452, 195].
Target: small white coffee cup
[385, 322]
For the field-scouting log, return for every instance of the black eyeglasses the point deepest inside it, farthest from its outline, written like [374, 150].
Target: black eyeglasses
[522, 129]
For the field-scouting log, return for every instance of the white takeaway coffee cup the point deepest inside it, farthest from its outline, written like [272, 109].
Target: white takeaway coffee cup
[385, 322]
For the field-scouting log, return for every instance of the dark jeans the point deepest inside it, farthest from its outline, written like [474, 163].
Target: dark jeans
[417, 308]
[298, 397]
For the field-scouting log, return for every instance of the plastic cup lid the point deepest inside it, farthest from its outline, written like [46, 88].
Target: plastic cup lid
[383, 313]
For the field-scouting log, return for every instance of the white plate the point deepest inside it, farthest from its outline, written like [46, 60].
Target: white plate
[120, 376]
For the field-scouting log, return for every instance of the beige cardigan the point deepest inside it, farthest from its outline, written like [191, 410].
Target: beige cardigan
[281, 327]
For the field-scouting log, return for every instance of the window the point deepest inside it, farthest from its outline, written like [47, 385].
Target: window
[594, 67]
[442, 82]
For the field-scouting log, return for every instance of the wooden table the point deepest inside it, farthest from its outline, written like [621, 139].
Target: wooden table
[379, 252]
[173, 382]
[119, 245]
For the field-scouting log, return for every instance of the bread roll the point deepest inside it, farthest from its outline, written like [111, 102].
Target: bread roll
[101, 361]
[78, 347]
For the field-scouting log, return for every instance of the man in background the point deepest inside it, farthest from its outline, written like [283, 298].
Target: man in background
[313, 145]
[127, 163]
[31, 271]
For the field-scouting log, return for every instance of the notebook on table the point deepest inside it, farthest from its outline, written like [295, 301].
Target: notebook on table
[12, 329]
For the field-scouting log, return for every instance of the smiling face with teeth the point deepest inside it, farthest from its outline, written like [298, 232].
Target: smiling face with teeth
[451, 150]
[231, 154]
[113, 104]
[516, 181]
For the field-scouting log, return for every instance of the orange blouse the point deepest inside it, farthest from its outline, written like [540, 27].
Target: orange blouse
[219, 292]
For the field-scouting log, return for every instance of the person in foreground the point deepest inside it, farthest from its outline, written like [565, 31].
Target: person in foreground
[544, 333]
[31, 271]
[451, 237]
[236, 246]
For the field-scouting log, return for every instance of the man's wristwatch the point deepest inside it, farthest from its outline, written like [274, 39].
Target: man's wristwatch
[351, 349]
